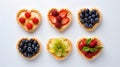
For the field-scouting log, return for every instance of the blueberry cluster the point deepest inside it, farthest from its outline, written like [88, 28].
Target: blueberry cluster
[89, 18]
[29, 47]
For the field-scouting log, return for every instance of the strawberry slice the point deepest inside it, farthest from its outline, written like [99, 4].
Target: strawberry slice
[63, 13]
[93, 43]
[29, 26]
[65, 21]
[22, 20]
[27, 14]
[82, 44]
[52, 19]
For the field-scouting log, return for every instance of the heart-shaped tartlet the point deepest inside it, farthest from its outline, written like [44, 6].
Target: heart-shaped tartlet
[89, 18]
[29, 48]
[59, 19]
[28, 19]
[89, 48]
[59, 48]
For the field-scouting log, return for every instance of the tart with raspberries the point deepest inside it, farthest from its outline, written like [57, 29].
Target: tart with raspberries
[28, 19]
[89, 18]
[89, 48]
[29, 48]
[59, 48]
[59, 19]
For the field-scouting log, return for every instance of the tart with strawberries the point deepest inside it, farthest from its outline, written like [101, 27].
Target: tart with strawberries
[59, 19]
[59, 48]
[28, 19]
[89, 19]
[89, 48]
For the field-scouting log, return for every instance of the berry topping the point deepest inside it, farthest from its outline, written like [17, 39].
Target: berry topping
[65, 21]
[59, 18]
[63, 13]
[82, 44]
[26, 48]
[35, 20]
[29, 26]
[89, 18]
[27, 14]
[52, 19]
[58, 25]
[22, 20]
[54, 12]
[93, 43]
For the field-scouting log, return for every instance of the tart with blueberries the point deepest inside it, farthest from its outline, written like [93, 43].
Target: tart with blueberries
[59, 48]
[29, 48]
[89, 18]
[89, 48]
[59, 19]
[28, 19]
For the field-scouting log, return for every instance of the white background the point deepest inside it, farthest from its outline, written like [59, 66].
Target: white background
[108, 32]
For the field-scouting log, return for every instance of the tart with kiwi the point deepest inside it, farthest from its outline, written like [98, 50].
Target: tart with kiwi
[59, 48]
[59, 18]
[89, 48]
[28, 19]
[89, 19]
[29, 48]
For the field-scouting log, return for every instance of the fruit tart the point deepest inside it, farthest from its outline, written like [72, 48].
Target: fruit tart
[89, 18]
[59, 48]
[59, 19]
[28, 19]
[29, 48]
[89, 48]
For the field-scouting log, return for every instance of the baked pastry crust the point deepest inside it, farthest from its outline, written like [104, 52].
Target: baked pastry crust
[69, 15]
[23, 25]
[33, 57]
[56, 57]
[99, 43]
[96, 24]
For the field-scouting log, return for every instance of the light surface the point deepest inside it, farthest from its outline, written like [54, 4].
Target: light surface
[108, 32]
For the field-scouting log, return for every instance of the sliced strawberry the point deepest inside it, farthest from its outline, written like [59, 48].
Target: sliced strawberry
[65, 21]
[29, 26]
[22, 20]
[89, 55]
[52, 19]
[82, 44]
[93, 43]
[27, 14]
[63, 13]
[35, 20]
[84, 52]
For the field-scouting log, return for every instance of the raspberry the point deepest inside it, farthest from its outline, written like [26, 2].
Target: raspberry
[27, 14]
[22, 20]
[35, 20]
[59, 18]
[54, 12]
[58, 25]
[29, 26]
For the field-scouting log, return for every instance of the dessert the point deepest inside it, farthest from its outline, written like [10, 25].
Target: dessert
[89, 18]
[60, 48]
[59, 19]
[89, 48]
[28, 19]
[29, 48]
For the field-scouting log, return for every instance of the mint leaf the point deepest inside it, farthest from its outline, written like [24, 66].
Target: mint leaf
[99, 47]
[93, 49]
[86, 49]
[88, 41]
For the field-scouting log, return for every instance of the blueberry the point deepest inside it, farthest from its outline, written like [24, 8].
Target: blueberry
[36, 49]
[96, 19]
[29, 49]
[81, 16]
[31, 40]
[92, 21]
[86, 15]
[25, 54]
[35, 42]
[87, 10]
[24, 41]
[25, 47]
[96, 15]
[82, 21]
[33, 46]
[29, 55]
[93, 16]
[90, 13]
[37, 46]
[90, 25]
[29, 44]
[85, 19]
[21, 45]
[89, 17]
[93, 11]
[83, 12]
[21, 50]
[86, 25]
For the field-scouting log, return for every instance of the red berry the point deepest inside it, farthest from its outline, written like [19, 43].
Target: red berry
[59, 18]
[54, 12]
[35, 20]
[89, 55]
[28, 14]
[29, 26]
[84, 52]
[58, 25]
[22, 20]
[93, 43]
[82, 44]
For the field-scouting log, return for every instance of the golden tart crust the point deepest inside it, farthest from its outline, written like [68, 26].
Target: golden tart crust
[56, 57]
[99, 43]
[69, 15]
[33, 57]
[34, 13]
[96, 24]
